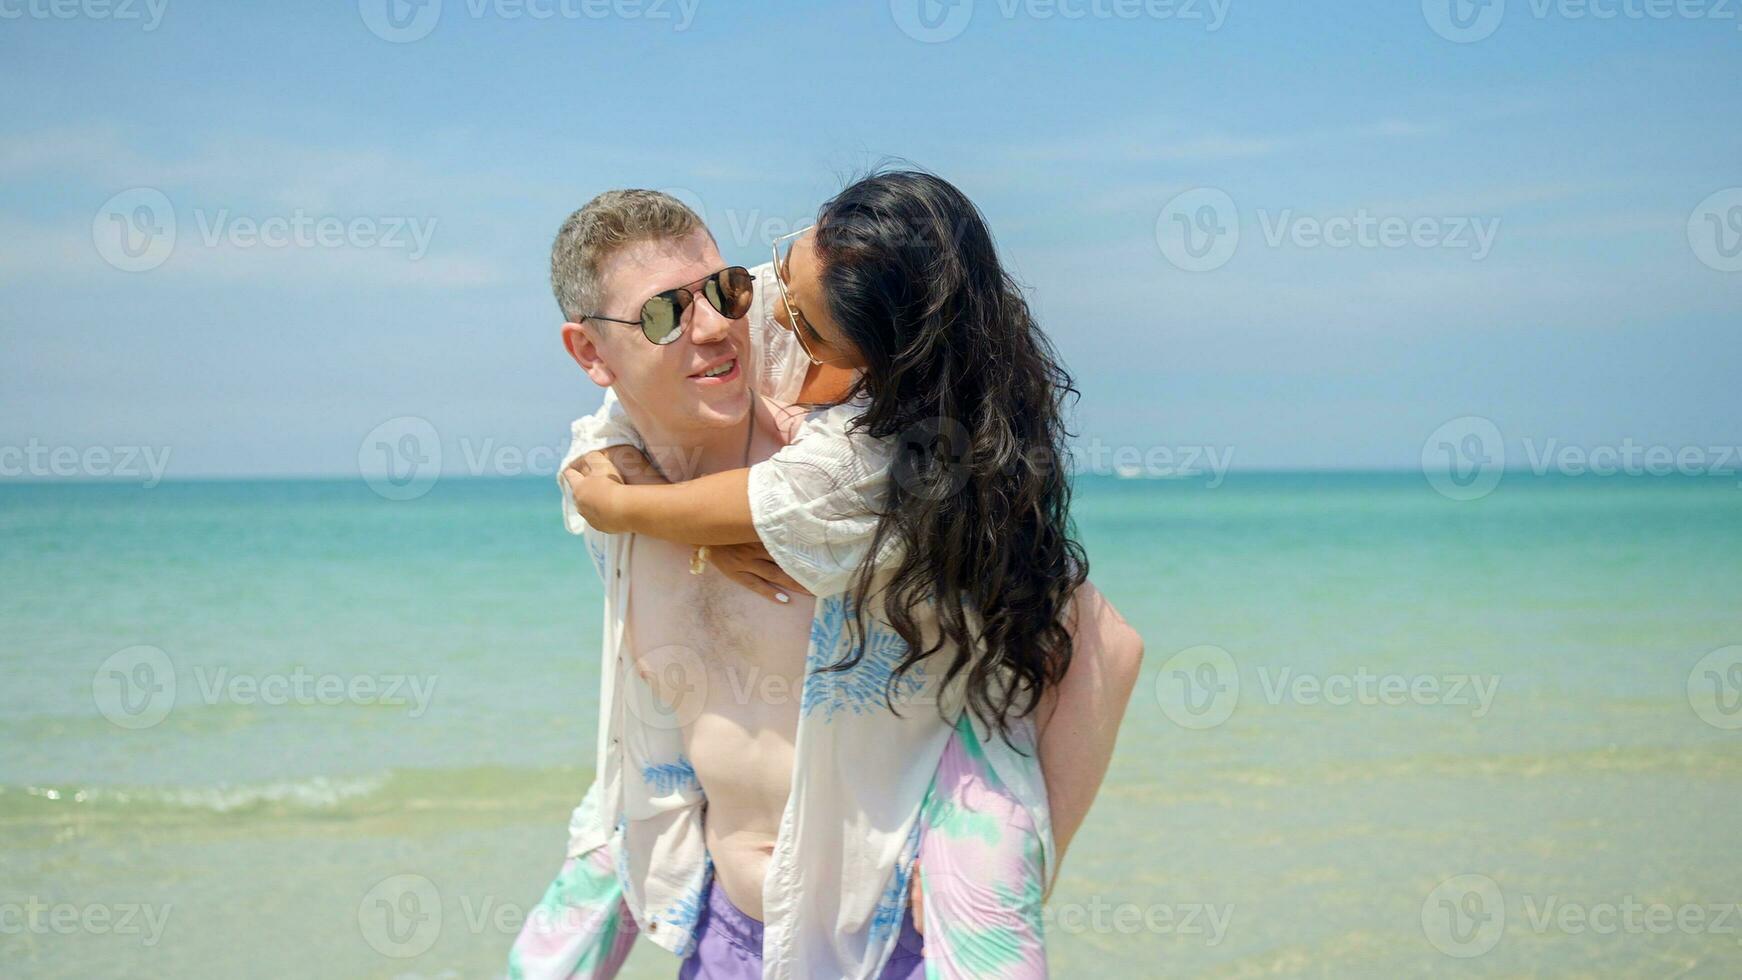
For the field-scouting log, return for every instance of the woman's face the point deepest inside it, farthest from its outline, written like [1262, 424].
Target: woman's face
[802, 273]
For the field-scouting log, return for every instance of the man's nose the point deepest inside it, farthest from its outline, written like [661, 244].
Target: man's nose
[707, 325]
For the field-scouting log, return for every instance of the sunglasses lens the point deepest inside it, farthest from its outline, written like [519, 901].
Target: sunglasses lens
[729, 291]
[662, 316]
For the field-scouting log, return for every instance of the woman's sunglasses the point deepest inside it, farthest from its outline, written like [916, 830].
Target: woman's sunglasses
[662, 316]
[795, 320]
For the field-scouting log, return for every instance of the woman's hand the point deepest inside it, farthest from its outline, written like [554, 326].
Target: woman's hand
[596, 486]
[750, 566]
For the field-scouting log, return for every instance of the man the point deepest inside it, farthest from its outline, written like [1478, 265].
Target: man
[710, 720]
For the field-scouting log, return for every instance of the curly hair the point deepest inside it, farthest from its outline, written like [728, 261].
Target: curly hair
[962, 378]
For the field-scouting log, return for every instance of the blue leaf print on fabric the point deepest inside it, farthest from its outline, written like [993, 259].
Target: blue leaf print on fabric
[619, 845]
[862, 688]
[687, 913]
[892, 904]
[827, 627]
[597, 551]
[671, 777]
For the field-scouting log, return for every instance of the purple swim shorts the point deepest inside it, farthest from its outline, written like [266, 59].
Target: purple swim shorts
[729, 945]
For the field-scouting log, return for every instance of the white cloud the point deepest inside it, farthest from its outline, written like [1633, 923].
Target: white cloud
[87, 151]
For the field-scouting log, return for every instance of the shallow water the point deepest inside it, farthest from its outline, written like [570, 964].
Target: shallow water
[237, 715]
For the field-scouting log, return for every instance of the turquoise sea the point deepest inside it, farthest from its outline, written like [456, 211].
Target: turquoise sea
[295, 729]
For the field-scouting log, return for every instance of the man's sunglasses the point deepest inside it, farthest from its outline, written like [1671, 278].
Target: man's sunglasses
[662, 316]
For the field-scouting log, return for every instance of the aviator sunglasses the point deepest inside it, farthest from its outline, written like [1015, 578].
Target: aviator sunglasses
[662, 316]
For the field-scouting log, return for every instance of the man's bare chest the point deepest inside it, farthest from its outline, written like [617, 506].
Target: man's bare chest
[686, 628]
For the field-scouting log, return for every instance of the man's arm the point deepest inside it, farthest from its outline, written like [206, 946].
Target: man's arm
[1079, 720]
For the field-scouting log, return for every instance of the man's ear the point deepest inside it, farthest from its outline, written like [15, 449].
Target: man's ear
[585, 350]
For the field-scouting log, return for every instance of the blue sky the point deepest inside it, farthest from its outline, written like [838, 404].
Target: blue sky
[1586, 145]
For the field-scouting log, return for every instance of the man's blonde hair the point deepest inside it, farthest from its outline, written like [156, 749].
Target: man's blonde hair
[595, 233]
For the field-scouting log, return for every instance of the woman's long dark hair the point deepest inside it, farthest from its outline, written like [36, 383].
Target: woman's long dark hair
[960, 375]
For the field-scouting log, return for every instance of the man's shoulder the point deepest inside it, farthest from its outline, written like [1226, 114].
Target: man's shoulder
[782, 418]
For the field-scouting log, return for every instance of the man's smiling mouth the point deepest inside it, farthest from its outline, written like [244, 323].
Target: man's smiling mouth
[724, 369]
